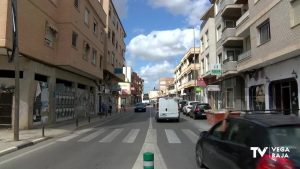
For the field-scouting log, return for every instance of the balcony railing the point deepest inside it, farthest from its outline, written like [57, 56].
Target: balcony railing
[229, 66]
[244, 55]
[228, 32]
[226, 2]
[242, 18]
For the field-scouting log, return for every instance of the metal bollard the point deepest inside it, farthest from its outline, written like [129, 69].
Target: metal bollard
[77, 122]
[43, 131]
[148, 160]
[89, 119]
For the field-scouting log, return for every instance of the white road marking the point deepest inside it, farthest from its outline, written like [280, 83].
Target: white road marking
[67, 138]
[75, 134]
[131, 136]
[92, 136]
[150, 145]
[191, 135]
[83, 131]
[109, 138]
[171, 136]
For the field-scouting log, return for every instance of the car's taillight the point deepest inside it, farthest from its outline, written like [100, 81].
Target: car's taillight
[269, 162]
[197, 110]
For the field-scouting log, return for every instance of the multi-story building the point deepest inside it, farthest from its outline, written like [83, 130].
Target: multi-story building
[137, 88]
[186, 73]
[209, 62]
[114, 57]
[61, 58]
[258, 48]
[164, 83]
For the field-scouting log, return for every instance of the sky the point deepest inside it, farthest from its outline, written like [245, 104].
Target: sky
[159, 33]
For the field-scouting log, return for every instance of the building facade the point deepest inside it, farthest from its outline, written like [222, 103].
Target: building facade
[63, 55]
[114, 56]
[186, 73]
[257, 45]
[137, 88]
[164, 84]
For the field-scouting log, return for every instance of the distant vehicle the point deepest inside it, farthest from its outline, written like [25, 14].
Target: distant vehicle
[181, 105]
[231, 144]
[145, 99]
[140, 107]
[187, 108]
[198, 110]
[167, 109]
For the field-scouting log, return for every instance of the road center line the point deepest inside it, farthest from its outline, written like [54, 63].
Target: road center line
[150, 145]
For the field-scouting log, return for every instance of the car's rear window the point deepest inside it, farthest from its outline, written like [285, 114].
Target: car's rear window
[204, 106]
[287, 136]
[139, 104]
[193, 103]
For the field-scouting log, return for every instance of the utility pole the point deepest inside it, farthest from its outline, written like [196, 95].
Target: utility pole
[195, 79]
[17, 72]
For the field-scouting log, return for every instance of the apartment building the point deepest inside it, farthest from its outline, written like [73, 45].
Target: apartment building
[61, 59]
[137, 88]
[186, 73]
[164, 83]
[114, 58]
[271, 48]
[210, 64]
[257, 44]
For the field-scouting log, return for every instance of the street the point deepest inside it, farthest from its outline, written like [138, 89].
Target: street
[116, 144]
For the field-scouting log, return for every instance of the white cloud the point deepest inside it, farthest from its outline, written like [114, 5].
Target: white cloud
[162, 45]
[121, 7]
[152, 72]
[192, 9]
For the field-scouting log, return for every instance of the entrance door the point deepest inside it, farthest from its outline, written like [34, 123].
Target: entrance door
[286, 99]
[6, 101]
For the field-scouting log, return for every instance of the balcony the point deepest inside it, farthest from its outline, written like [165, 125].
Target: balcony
[244, 55]
[190, 83]
[229, 67]
[230, 40]
[242, 19]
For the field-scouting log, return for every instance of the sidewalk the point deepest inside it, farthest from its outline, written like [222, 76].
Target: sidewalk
[33, 136]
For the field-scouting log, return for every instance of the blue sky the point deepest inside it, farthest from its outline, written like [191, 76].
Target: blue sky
[158, 34]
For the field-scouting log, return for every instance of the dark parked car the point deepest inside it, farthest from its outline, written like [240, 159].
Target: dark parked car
[274, 139]
[140, 107]
[198, 110]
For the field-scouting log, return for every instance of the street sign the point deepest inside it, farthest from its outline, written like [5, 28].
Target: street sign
[216, 70]
[211, 88]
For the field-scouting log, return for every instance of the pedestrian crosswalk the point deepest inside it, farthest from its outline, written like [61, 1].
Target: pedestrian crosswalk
[128, 136]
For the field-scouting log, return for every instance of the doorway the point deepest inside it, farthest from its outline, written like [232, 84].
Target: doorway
[284, 96]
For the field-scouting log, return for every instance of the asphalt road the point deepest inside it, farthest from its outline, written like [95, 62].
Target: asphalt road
[117, 144]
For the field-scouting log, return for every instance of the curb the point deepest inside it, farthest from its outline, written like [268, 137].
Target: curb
[30, 143]
[23, 145]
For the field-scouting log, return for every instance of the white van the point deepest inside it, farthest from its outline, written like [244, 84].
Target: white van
[167, 109]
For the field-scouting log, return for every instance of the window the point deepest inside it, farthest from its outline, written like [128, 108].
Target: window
[113, 37]
[219, 33]
[95, 27]
[207, 39]
[74, 39]
[295, 12]
[202, 44]
[94, 58]
[86, 50]
[229, 97]
[203, 66]
[76, 3]
[207, 63]
[264, 32]
[220, 58]
[86, 16]
[100, 61]
[230, 55]
[229, 24]
[50, 34]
